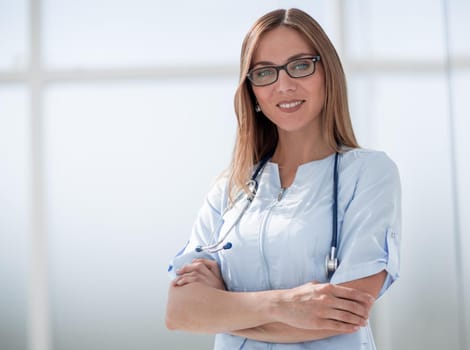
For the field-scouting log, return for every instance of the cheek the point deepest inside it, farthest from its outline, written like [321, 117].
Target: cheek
[262, 95]
[322, 95]
[318, 94]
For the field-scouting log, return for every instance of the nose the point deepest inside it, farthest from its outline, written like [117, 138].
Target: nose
[285, 82]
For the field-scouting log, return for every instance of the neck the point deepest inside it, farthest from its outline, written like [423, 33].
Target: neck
[294, 149]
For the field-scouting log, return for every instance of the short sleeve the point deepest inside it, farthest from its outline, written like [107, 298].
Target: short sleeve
[204, 229]
[370, 232]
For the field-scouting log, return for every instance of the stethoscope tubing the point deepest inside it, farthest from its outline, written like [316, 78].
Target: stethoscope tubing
[331, 263]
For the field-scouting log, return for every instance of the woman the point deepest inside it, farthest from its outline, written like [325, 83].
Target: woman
[253, 271]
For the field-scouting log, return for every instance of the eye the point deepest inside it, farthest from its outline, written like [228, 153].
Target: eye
[300, 65]
[263, 73]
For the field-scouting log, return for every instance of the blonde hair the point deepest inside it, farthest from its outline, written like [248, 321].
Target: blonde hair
[256, 134]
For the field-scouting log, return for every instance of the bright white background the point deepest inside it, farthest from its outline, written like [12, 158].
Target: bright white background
[116, 116]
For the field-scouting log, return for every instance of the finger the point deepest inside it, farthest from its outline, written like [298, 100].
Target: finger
[189, 278]
[179, 282]
[198, 272]
[352, 294]
[346, 317]
[193, 267]
[330, 302]
[352, 307]
[210, 264]
[190, 271]
[340, 326]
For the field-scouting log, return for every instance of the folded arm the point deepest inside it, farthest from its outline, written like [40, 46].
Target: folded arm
[283, 333]
[198, 302]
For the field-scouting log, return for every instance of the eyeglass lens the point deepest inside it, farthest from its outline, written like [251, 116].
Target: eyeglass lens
[297, 68]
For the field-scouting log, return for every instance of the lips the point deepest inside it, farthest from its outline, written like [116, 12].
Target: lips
[288, 105]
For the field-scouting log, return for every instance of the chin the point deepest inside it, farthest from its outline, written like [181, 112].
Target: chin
[291, 128]
[297, 127]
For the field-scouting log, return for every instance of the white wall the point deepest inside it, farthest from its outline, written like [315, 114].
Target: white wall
[403, 108]
[136, 119]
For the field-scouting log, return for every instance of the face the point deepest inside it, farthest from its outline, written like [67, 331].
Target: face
[292, 104]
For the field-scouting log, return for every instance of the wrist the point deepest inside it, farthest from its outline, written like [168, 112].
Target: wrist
[273, 306]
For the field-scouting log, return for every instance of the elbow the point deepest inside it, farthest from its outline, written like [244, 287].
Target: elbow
[173, 319]
[178, 321]
[180, 314]
[176, 317]
[170, 323]
[170, 316]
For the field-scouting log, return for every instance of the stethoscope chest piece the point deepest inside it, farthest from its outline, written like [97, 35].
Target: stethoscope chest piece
[331, 263]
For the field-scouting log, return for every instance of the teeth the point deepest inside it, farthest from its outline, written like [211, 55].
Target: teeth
[290, 104]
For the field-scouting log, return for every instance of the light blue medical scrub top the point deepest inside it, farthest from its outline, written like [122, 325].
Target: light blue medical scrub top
[282, 240]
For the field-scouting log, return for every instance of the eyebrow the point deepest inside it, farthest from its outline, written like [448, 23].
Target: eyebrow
[268, 63]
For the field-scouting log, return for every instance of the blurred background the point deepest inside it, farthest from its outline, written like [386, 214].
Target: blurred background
[116, 116]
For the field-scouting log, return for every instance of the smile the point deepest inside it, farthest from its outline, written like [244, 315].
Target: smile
[289, 105]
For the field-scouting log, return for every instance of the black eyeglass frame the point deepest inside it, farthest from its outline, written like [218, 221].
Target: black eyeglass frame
[314, 59]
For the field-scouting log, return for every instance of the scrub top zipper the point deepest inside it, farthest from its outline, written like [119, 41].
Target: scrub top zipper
[263, 230]
[281, 193]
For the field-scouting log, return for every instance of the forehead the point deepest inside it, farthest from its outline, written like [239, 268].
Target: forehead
[279, 44]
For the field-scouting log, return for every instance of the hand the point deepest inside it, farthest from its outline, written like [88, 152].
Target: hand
[204, 271]
[324, 307]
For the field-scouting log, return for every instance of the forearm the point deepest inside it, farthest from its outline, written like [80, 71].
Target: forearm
[198, 303]
[371, 284]
[283, 333]
[199, 308]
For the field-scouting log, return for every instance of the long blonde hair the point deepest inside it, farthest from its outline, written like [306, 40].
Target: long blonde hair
[256, 134]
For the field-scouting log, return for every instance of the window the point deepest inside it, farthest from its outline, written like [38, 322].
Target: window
[115, 116]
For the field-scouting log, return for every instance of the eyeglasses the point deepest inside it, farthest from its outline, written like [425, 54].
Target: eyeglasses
[298, 68]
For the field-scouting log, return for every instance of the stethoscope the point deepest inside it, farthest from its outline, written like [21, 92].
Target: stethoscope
[331, 261]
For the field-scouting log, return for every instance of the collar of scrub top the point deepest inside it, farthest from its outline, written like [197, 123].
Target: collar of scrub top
[331, 263]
